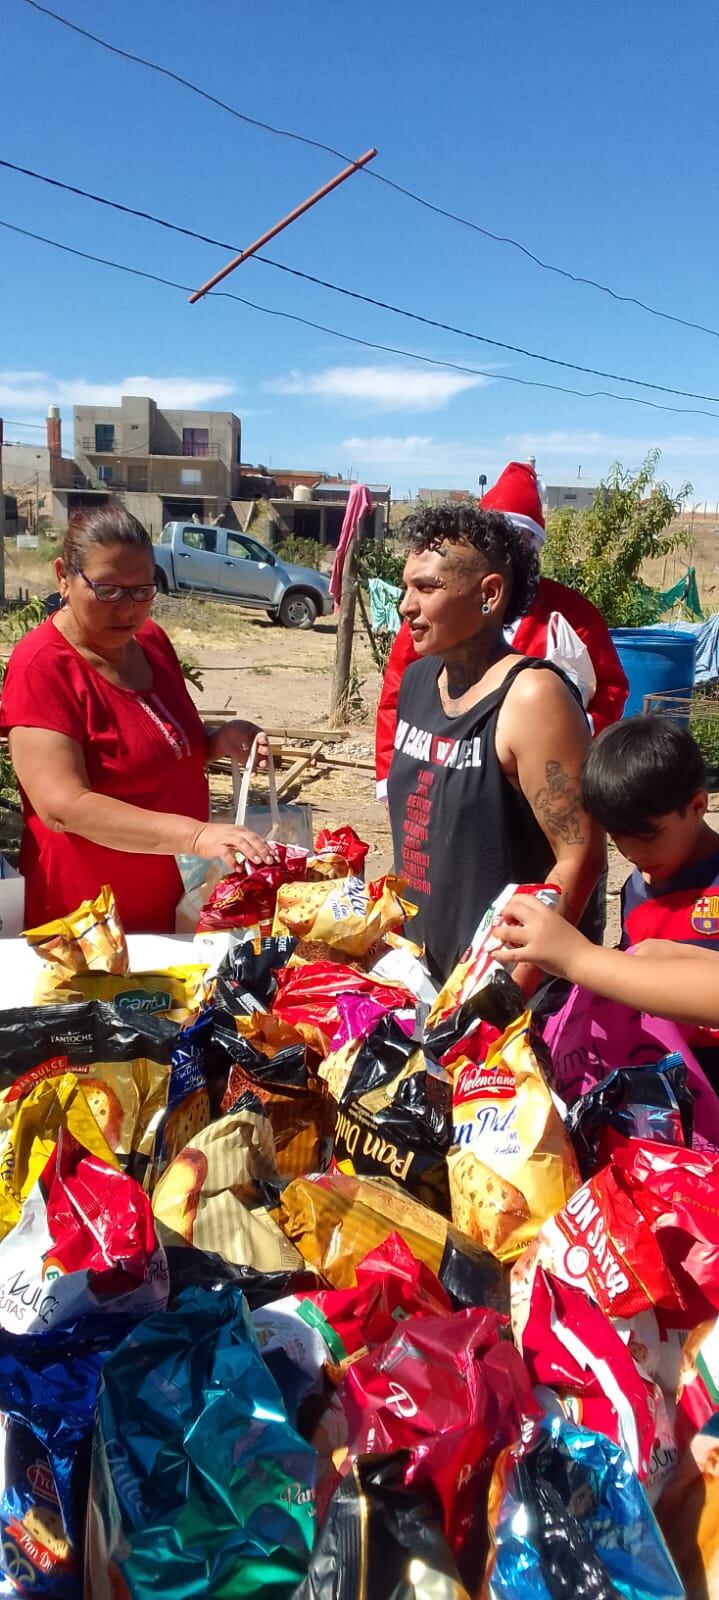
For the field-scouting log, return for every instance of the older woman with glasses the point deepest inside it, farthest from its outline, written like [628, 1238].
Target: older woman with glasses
[109, 749]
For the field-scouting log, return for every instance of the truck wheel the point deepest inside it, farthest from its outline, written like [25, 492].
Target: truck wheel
[274, 617]
[161, 581]
[297, 611]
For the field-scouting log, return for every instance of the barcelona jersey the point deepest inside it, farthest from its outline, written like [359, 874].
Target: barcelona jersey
[684, 908]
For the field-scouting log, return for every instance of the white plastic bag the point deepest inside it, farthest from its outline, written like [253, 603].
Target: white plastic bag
[289, 824]
[285, 824]
[12, 901]
[566, 650]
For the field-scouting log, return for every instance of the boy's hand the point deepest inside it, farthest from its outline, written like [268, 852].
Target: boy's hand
[532, 933]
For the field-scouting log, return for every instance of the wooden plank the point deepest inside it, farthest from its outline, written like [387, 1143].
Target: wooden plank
[325, 735]
[349, 761]
[289, 753]
[297, 768]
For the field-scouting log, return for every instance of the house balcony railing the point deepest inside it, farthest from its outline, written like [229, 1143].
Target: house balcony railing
[207, 452]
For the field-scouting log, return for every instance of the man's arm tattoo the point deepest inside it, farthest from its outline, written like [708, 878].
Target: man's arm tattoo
[559, 804]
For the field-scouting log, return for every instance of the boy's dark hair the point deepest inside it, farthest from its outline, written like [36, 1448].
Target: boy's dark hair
[640, 770]
[507, 549]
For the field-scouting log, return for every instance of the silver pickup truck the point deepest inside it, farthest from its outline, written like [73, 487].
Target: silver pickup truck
[232, 566]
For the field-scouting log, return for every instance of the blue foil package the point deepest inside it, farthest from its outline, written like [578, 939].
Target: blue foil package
[48, 1387]
[570, 1520]
[199, 1485]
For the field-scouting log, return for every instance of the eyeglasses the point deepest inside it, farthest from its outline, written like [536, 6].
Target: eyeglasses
[109, 593]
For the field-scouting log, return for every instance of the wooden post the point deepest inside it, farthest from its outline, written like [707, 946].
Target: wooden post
[345, 632]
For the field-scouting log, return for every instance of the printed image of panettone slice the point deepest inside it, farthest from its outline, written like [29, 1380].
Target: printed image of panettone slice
[184, 1121]
[46, 1527]
[177, 1196]
[484, 1206]
[106, 1109]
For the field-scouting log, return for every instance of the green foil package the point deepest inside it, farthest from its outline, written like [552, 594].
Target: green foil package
[199, 1485]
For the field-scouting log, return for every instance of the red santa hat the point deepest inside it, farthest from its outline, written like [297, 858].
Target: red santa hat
[516, 494]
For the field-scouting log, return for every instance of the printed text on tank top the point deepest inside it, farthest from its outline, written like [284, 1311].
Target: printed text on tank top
[461, 826]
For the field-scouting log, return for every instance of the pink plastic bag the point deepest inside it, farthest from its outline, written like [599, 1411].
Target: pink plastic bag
[591, 1036]
[358, 1014]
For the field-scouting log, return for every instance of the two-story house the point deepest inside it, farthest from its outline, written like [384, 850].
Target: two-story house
[163, 465]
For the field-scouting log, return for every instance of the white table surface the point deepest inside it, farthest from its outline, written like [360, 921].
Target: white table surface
[149, 952]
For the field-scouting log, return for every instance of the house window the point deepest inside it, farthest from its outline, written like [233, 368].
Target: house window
[195, 441]
[105, 474]
[104, 438]
[190, 477]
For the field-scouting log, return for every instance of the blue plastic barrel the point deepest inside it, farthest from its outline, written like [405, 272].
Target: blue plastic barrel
[656, 661]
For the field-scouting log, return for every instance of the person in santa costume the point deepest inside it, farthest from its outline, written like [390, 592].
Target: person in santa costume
[560, 626]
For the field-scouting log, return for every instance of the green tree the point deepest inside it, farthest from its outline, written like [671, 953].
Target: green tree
[600, 551]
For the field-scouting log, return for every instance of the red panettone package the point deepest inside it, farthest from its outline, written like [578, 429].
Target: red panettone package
[580, 1362]
[677, 1190]
[85, 1241]
[392, 1285]
[317, 1327]
[451, 1392]
[246, 898]
[602, 1242]
[307, 996]
[339, 853]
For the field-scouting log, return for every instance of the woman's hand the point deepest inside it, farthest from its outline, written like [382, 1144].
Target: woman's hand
[224, 841]
[235, 740]
[531, 932]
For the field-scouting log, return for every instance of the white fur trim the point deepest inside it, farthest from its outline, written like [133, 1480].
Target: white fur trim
[535, 528]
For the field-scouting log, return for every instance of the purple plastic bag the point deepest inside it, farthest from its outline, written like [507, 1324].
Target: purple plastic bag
[591, 1036]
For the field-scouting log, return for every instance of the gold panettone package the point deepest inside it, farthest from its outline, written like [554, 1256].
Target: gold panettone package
[90, 939]
[141, 1080]
[345, 914]
[209, 1195]
[176, 993]
[335, 1221]
[511, 1165]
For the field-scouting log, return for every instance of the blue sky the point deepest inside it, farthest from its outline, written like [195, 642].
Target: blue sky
[585, 130]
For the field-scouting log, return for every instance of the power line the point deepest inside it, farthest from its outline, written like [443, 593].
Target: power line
[355, 294]
[374, 172]
[367, 344]
[11, 422]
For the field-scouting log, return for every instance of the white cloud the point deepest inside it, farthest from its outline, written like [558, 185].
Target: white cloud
[406, 460]
[613, 447]
[381, 388]
[31, 392]
[383, 449]
[22, 377]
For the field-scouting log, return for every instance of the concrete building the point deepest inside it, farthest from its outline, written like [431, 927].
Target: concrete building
[48, 485]
[439, 497]
[576, 495]
[163, 465]
[318, 513]
[291, 478]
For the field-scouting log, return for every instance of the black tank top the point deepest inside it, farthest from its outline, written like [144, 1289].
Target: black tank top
[460, 829]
